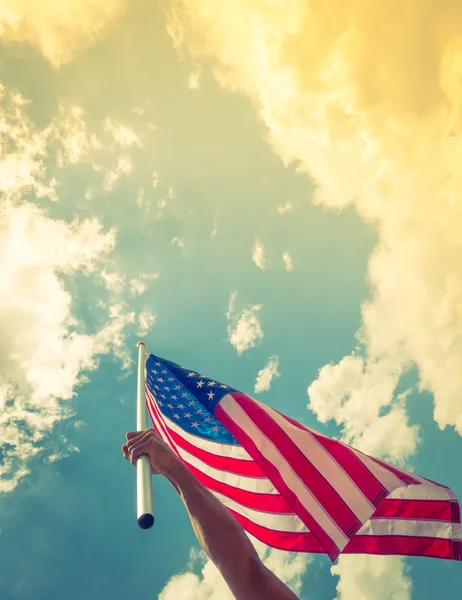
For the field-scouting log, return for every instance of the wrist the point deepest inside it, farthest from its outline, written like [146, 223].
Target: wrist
[180, 476]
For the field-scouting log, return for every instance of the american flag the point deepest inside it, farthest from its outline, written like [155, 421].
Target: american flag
[291, 487]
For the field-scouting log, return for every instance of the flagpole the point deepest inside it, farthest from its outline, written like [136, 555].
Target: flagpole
[144, 500]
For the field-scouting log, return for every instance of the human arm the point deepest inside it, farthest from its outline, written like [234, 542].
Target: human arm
[217, 531]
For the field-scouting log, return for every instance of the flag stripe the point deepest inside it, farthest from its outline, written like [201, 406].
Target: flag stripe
[292, 542]
[307, 473]
[225, 463]
[325, 464]
[276, 521]
[410, 527]
[416, 509]
[282, 475]
[268, 502]
[405, 545]
[257, 486]
[424, 491]
[364, 479]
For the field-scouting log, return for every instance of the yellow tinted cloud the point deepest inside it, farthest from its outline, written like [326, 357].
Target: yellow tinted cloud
[366, 97]
[58, 28]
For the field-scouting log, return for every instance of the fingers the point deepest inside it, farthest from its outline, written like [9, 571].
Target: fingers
[142, 447]
[138, 443]
[136, 434]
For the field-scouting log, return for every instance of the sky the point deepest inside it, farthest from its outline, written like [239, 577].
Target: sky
[265, 192]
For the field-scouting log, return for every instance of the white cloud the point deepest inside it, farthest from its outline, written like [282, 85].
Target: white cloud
[179, 242]
[139, 284]
[203, 580]
[69, 131]
[194, 77]
[244, 329]
[114, 282]
[58, 29]
[339, 102]
[122, 135]
[258, 255]
[44, 351]
[355, 394]
[265, 375]
[124, 166]
[372, 578]
[42, 354]
[288, 265]
[286, 208]
[146, 320]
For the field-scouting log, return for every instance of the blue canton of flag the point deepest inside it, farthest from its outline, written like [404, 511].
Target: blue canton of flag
[187, 398]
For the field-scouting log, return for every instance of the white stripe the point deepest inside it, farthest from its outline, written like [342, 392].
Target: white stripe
[250, 484]
[277, 522]
[326, 465]
[424, 491]
[384, 476]
[291, 479]
[258, 485]
[217, 448]
[388, 479]
[409, 527]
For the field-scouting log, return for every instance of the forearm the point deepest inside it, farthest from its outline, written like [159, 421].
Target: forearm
[219, 534]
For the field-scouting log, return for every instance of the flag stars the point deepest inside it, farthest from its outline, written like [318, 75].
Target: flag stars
[171, 379]
[211, 383]
[181, 406]
[200, 383]
[160, 380]
[170, 405]
[176, 415]
[192, 403]
[164, 372]
[188, 415]
[195, 424]
[174, 397]
[185, 395]
[215, 429]
[210, 395]
[208, 419]
[160, 403]
[178, 387]
[163, 396]
[191, 374]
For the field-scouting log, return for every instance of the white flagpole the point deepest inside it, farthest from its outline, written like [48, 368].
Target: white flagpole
[144, 501]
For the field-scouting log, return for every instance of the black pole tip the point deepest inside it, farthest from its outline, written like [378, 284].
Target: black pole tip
[146, 521]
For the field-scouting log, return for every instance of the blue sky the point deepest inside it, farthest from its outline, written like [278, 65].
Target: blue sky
[152, 176]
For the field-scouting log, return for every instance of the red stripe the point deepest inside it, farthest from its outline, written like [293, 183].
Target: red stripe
[273, 475]
[354, 468]
[246, 468]
[313, 479]
[292, 542]
[400, 508]
[268, 503]
[404, 545]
